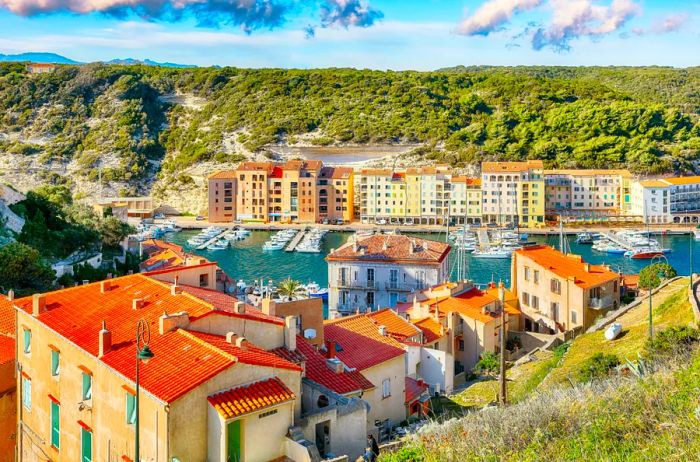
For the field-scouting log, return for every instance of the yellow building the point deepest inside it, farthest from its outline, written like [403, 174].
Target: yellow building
[513, 193]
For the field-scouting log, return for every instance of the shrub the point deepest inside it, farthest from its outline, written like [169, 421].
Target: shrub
[672, 339]
[650, 277]
[597, 366]
[405, 454]
[488, 364]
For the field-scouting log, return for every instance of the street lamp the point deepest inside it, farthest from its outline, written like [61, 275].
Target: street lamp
[653, 261]
[143, 353]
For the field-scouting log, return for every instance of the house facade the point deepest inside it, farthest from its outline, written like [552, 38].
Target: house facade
[381, 270]
[559, 292]
[588, 193]
[513, 193]
[222, 197]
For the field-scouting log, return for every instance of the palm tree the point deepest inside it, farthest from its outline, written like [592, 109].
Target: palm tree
[290, 289]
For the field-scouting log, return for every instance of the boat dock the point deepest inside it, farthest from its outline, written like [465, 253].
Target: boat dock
[295, 241]
[484, 241]
[222, 234]
[621, 242]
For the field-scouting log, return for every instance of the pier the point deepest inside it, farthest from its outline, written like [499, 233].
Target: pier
[484, 241]
[621, 242]
[222, 234]
[295, 241]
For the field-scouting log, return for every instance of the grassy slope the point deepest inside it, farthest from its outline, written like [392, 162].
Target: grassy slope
[620, 419]
[671, 307]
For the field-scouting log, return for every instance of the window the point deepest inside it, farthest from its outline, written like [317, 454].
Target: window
[526, 299]
[86, 445]
[27, 393]
[526, 274]
[556, 286]
[87, 386]
[55, 424]
[55, 363]
[130, 408]
[203, 280]
[27, 335]
[461, 345]
[574, 317]
[555, 311]
[535, 302]
[386, 388]
[537, 277]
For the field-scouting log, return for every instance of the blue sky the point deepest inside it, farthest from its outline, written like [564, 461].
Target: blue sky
[378, 34]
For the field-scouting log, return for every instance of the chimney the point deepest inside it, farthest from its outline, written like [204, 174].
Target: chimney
[290, 333]
[411, 246]
[382, 331]
[335, 365]
[169, 322]
[587, 267]
[231, 337]
[355, 247]
[105, 340]
[175, 289]
[437, 313]
[38, 304]
[10, 295]
[239, 307]
[239, 342]
[501, 292]
[385, 245]
[330, 349]
[105, 286]
[268, 307]
[137, 303]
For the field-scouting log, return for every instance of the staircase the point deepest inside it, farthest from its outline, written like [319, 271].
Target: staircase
[296, 435]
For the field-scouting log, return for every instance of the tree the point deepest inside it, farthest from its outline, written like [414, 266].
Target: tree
[597, 366]
[23, 270]
[291, 289]
[650, 277]
[113, 230]
[488, 364]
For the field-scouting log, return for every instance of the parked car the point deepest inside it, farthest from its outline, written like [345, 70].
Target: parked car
[199, 218]
[340, 221]
[381, 222]
[324, 221]
[159, 216]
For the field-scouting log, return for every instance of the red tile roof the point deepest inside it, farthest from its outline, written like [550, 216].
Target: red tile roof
[223, 175]
[469, 303]
[396, 326]
[248, 354]
[364, 325]
[317, 370]
[566, 266]
[414, 389]
[163, 259]
[251, 398]
[495, 167]
[7, 349]
[155, 245]
[7, 317]
[395, 248]
[359, 351]
[432, 330]
[182, 361]
[180, 268]
[226, 303]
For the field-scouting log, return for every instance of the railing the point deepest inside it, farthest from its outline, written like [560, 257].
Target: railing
[401, 286]
[346, 283]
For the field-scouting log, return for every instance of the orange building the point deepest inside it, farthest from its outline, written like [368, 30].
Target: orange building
[222, 197]
[8, 381]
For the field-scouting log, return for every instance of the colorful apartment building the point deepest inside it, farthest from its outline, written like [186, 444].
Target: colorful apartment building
[588, 193]
[336, 194]
[222, 196]
[381, 270]
[8, 381]
[651, 201]
[465, 200]
[559, 292]
[513, 193]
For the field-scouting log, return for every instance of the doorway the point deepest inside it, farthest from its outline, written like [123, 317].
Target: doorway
[233, 440]
[323, 437]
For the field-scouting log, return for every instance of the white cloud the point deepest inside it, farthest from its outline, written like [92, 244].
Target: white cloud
[493, 14]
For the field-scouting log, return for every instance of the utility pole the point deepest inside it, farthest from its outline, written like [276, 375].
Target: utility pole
[502, 398]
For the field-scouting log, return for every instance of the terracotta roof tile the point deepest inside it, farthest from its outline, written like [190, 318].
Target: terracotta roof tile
[7, 349]
[495, 167]
[223, 175]
[180, 268]
[432, 330]
[349, 381]
[469, 303]
[156, 245]
[226, 303]
[163, 260]
[681, 180]
[392, 248]
[251, 398]
[396, 326]
[7, 317]
[654, 184]
[414, 389]
[255, 166]
[364, 325]
[589, 172]
[359, 351]
[567, 266]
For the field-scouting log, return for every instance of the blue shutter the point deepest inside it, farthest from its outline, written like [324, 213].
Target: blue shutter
[87, 386]
[55, 363]
[86, 445]
[55, 425]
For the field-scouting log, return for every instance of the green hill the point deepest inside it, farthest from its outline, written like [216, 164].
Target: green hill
[133, 121]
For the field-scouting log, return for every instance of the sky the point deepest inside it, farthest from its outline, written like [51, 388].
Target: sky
[376, 34]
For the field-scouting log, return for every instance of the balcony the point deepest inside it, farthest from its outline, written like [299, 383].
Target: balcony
[348, 284]
[400, 286]
[600, 303]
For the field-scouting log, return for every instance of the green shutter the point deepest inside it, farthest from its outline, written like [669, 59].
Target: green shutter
[130, 408]
[87, 386]
[27, 340]
[86, 446]
[55, 363]
[55, 425]
[27, 393]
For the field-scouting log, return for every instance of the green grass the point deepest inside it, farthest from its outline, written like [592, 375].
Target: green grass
[673, 310]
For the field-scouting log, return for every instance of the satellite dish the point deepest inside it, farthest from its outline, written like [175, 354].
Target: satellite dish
[309, 333]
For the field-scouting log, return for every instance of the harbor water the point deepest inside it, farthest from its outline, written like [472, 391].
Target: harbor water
[247, 261]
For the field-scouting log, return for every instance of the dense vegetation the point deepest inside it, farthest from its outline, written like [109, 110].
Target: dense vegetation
[111, 116]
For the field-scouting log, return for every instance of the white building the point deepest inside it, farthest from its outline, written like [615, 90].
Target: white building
[651, 201]
[381, 270]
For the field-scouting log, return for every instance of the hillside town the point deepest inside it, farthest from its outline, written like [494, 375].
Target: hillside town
[121, 367]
